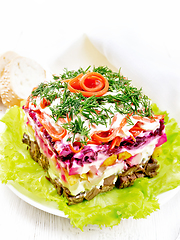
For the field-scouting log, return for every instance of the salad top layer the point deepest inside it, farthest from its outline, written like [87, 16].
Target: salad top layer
[86, 109]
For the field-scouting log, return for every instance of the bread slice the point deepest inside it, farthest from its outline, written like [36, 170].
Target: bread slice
[19, 77]
[5, 58]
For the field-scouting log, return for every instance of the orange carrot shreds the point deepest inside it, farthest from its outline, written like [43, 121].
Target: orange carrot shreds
[34, 88]
[97, 111]
[92, 82]
[74, 83]
[124, 121]
[75, 151]
[27, 103]
[136, 117]
[149, 120]
[118, 141]
[77, 77]
[136, 129]
[129, 115]
[62, 120]
[99, 84]
[65, 80]
[122, 124]
[145, 119]
[115, 142]
[41, 128]
[159, 117]
[44, 103]
[105, 136]
[29, 98]
[94, 142]
[68, 118]
[114, 119]
[57, 133]
[133, 138]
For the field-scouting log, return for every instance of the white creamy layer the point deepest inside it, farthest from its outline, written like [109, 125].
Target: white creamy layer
[147, 126]
[101, 157]
[97, 180]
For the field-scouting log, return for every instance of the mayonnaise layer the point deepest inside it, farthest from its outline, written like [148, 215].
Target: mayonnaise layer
[97, 179]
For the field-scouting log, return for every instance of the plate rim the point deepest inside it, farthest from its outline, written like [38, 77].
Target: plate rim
[48, 207]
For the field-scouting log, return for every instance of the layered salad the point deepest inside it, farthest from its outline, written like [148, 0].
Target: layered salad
[91, 131]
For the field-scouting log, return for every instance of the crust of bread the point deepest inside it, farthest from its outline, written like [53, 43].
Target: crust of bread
[5, 58]
[8, 96]
[16, 69]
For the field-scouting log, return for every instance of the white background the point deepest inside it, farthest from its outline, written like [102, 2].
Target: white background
[44, 30]
[44, 21]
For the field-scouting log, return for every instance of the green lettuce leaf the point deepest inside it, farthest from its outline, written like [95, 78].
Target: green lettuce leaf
[106, 209]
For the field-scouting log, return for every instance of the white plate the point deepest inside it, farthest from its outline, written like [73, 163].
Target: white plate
[52, 208]
[46, 206]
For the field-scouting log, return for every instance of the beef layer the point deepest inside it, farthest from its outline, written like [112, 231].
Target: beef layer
[125, 179]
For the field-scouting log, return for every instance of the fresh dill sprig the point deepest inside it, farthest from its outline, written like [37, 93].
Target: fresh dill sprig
[115, 79]
[49, 90]
[89, 108]
[77, 127]
[72, 74]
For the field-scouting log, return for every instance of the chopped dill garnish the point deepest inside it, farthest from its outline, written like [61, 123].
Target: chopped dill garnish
[49, 90]
[78, 127]
[121, 97]
[75, 104]
[71, 74]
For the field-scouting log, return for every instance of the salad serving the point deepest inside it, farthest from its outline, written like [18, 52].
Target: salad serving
[91, 134]
[98, 140]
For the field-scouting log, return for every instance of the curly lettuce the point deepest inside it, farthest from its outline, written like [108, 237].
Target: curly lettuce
[106, 209]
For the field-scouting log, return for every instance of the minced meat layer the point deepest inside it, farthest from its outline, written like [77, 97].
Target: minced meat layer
[125, 179]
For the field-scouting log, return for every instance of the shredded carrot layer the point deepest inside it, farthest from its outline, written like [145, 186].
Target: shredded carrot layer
[115, 142]
[57, 133]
